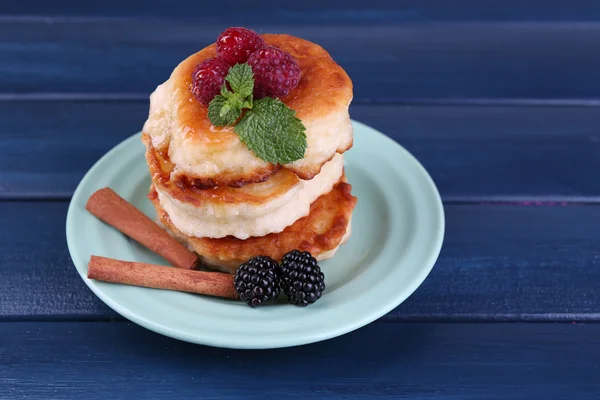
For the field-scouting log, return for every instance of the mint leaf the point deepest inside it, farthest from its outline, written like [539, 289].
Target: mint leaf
[225, 92]
[223, 111]
[247, 103]
[269, 128]
[241, 79]
[226, 108]
[273, 132]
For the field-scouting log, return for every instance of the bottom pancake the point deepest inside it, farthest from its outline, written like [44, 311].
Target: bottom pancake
[320, 233]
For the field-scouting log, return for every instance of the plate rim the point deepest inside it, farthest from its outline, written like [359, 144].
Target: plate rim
[415, 282]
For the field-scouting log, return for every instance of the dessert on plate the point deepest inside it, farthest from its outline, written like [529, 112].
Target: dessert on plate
[245, 146]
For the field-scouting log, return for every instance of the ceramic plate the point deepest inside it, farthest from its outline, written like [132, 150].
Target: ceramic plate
[397, 233]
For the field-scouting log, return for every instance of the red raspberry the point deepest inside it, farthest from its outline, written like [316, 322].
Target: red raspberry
[234, 45]
[207, 79]
[276, 72]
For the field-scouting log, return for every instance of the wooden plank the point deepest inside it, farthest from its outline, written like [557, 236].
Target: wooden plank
[49, 158]
[473, 153]
[355, 11]
[412, 62]
[416, 361]
[43, 281]
[498, 263]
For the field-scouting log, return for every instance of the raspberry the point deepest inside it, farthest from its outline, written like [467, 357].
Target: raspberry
[234, 45]
[207, 79]
[257, 281]
[276, 72]
[301, 278]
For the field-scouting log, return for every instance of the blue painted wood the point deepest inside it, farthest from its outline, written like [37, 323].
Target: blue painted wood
[473, 153]
[413, 361]
[354, 11]
[412, 62]
[498, 263]
[522, 261]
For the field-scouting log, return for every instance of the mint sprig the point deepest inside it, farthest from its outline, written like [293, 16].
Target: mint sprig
[268, 127]
[273, 132]
[241, 79]
[226, 108]
[223, 111]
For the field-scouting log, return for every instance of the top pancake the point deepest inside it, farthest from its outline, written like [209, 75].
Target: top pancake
[204, 156]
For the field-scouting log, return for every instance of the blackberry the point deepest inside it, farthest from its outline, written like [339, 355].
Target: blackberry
[301, 278]
[256, 281]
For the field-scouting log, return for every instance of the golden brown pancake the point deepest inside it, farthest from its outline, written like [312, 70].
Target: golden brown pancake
[204, 157]
[256, 193]
[319, 233]
[255, 209]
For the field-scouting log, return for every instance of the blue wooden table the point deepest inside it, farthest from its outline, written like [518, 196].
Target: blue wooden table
[500, 101]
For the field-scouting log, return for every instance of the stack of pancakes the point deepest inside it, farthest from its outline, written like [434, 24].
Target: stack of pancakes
[213, 193]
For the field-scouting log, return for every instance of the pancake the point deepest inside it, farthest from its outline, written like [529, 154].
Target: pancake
[256, 209]
[203, 156]
[321, 233]
[283, 181]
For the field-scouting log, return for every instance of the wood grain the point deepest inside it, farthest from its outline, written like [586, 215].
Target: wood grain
[473, 153]
[355, 11]
[417, 361]
[411, 62]
[498, 263]
[516, 172]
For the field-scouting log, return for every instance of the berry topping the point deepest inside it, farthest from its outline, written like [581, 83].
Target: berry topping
[234, 45]
[276, 72]
[257, 281]
[301, 278]
[207, 79]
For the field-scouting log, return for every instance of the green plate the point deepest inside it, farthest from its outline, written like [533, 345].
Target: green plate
[397, 234]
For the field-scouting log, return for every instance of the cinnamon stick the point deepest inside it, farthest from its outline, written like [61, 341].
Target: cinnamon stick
[117, 212]
[217, 284]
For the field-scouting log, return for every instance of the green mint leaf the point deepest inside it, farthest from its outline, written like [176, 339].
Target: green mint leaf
[273, 132]
[223, 111]
[241, 79]
[225, 92]
[247, 103]
[233, 106]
